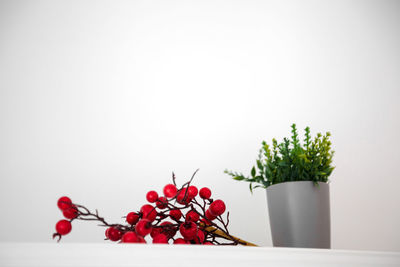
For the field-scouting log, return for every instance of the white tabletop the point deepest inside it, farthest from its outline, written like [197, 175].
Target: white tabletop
[98, 254]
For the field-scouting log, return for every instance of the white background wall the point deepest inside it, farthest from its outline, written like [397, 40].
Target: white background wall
[101, 100]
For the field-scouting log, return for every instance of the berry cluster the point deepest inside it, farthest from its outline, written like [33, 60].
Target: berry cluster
[182, 215]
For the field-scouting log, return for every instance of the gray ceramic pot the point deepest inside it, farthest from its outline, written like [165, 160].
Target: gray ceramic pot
[299, 214]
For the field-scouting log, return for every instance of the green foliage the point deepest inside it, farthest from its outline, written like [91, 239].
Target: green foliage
[291, 161]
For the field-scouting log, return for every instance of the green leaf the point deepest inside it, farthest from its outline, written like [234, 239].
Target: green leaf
[282, 164]
[266, 183]
[259, 165]
[253, 171]
[257, 186]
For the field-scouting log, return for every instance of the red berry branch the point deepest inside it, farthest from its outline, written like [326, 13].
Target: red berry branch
[182, 215]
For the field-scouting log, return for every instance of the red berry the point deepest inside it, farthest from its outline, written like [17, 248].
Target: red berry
[71, 212]
[148, 212]
[113, 234]
[64, 203]
[205, 193]
[209, 215]
[199, 239]
[180, 241]
[141, 239]
[160, 239]
[162, 203]
[63, 227]
[152, 196]
[132, 218]
[143, 227]
[192, 191]
[168, 229]
[217, 208]
[175, 214]
[155, 231]
[130, 237]
[170, 190]
[188, 230]
[192, 216]
[182, 197]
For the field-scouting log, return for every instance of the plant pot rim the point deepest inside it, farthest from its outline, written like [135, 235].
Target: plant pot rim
[287, 182]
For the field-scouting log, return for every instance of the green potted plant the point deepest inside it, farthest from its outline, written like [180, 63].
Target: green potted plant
[295, 176]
